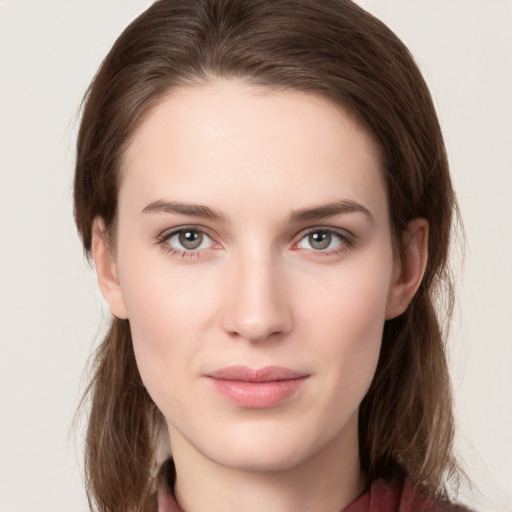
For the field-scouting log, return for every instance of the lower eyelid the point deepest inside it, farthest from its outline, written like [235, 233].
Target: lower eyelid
[183, 254]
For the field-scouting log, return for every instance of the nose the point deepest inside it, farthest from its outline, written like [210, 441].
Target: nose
[256, 308]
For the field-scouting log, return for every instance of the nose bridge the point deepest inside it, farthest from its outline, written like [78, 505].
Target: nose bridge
[257, 308]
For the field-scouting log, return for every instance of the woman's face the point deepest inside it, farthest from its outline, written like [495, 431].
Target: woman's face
[255, 264]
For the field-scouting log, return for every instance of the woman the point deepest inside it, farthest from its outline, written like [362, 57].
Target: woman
[264, 189]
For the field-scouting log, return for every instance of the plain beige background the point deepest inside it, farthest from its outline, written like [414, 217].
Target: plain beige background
[51, 313]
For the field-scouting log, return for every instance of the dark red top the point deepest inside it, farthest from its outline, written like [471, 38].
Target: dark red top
[382, 496]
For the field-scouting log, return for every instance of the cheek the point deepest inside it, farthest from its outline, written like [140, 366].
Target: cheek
[161, 297]
[351, 337]
[162, 344]
[346, 318]
[351, 303]
[169, 308]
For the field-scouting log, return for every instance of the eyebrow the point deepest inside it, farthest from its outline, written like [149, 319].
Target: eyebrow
[193, 210]
[329, 210]
[301, 215]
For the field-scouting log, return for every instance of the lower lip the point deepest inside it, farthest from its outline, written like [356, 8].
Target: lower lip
[257, 395]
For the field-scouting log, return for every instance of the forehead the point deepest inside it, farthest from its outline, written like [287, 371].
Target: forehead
[205, 142]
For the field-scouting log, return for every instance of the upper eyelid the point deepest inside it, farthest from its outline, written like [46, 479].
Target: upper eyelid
[302, 232]
[331, 229]
[168, 233]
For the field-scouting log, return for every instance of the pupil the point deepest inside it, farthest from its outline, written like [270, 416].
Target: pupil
[190, 239]
[320, 239]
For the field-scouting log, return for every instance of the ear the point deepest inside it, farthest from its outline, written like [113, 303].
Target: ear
[105, 263]
[409, 269]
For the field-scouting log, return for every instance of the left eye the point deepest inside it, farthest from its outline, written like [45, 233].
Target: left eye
[189, 239]
[321, 240]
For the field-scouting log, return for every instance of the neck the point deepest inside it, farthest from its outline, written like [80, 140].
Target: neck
[325, 482]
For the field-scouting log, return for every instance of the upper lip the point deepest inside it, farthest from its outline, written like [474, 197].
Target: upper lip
[246, 374]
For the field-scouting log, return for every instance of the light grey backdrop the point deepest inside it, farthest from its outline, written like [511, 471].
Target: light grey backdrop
[50, 311]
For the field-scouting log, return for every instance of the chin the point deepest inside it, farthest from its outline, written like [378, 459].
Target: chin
[261, 452]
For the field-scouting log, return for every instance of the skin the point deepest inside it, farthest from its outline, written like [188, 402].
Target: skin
[259, 291]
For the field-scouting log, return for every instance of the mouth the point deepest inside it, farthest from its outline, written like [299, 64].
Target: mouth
[257, 388]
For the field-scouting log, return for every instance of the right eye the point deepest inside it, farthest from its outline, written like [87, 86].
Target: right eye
[186, 240]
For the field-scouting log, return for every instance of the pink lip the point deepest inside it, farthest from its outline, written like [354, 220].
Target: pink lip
[256, 389]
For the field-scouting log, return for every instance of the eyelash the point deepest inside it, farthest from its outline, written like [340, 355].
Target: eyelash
[347, 241]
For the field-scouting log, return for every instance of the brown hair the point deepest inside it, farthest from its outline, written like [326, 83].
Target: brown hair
[328, 47]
